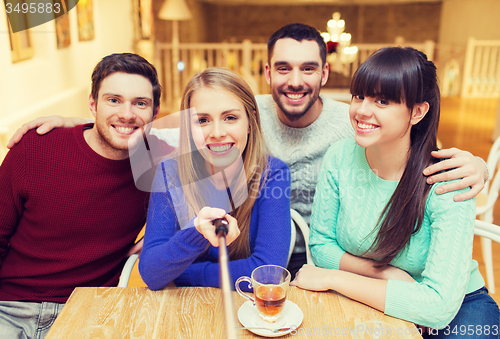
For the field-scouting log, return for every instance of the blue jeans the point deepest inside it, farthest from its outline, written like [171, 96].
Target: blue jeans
[478, 317]
[23, 320]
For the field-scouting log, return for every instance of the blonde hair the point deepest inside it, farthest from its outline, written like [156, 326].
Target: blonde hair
[192, 168]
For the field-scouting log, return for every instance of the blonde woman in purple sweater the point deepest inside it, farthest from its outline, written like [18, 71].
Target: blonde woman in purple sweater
[219, 123]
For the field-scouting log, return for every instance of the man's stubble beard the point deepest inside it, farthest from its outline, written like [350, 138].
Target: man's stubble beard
[105, 137]
[296, 115]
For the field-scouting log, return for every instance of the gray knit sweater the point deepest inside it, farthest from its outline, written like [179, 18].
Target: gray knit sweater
[302, 149]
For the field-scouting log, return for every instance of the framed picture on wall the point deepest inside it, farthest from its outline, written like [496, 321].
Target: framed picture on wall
[85, 13]
[146, 18]
[21, 47]
[143, 19]
[62, 31]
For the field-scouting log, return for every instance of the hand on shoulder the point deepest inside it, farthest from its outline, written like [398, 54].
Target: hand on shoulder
[44, 125]
[460, 165]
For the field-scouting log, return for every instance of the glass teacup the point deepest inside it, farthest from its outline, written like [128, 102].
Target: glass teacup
[270, 286]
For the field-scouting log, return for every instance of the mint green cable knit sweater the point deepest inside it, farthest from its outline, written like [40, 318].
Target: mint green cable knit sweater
[348, 202]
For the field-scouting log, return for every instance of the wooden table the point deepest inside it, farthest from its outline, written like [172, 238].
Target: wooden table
[196, 312]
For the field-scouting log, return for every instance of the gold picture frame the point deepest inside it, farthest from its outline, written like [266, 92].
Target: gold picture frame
[63, 31]
[21, 46]
[85, 13]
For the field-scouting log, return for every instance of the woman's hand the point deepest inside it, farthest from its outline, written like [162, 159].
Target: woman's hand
[367, 290]
[463, 165]
[313, 278]
[45, 125]
[204, 225]
[136, 248]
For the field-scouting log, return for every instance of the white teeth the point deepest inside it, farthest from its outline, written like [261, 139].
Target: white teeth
[219, 148]
[294, 96]
[124, 129]
[365, 126]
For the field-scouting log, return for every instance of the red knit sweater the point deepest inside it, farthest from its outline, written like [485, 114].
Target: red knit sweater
[67, 217]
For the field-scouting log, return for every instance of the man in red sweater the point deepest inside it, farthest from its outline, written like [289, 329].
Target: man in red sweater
[69, 207]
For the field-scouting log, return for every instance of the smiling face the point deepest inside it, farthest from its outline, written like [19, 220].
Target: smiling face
[219, 126]
[380, 122]
[124, 105]
[296, 74]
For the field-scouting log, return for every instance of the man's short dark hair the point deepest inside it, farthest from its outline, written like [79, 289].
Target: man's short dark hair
[299, 32]
[127, 63]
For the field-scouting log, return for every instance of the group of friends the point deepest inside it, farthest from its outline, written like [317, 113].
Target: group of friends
[391, 217]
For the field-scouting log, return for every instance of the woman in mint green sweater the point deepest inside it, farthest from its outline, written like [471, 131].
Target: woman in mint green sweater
[379, 233]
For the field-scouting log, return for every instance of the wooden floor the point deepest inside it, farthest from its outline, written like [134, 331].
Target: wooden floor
[466, 124]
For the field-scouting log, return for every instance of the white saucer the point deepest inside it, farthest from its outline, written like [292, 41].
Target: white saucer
[291, 316]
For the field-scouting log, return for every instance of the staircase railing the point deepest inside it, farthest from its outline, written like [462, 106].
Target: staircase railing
[481, 69]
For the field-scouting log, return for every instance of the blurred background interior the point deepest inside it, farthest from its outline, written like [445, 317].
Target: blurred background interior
[45, 70]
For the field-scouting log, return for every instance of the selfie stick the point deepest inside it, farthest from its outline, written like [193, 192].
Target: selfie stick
[227, 300]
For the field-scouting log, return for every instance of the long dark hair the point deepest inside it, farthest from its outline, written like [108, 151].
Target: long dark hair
[403, 75]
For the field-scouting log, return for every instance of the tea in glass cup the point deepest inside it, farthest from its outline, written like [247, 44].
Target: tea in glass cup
[270, 286]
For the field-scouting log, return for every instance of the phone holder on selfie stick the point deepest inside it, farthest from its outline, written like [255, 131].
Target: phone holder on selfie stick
[227, 300]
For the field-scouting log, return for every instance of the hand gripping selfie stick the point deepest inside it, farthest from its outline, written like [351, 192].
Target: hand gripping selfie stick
[227, 301]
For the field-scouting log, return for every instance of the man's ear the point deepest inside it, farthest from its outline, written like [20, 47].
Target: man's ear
[156, 112]
[419, 112]
[324, 74]
[267, 72]
[92, 105]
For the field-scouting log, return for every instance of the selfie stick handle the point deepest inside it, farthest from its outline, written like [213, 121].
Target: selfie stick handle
[227, 300]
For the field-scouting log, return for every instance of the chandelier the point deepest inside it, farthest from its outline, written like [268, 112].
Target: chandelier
[338, 44]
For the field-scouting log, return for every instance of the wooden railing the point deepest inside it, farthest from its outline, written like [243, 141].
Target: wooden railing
[481, 77]
[246, 58]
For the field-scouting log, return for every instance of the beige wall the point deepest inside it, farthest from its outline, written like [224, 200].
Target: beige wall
[57, 81]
